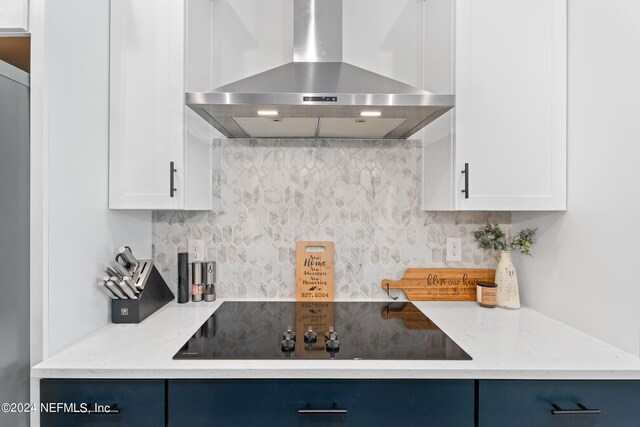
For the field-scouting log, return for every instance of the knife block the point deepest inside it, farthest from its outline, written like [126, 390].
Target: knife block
[155, 294]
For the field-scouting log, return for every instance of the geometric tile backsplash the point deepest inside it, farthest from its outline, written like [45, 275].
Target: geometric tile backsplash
[364, 195]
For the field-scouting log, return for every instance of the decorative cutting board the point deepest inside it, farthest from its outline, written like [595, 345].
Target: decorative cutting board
[440, 284]
[314, 271]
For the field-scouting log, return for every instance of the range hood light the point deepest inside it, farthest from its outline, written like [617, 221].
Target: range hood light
[267, 113]
[371, 114]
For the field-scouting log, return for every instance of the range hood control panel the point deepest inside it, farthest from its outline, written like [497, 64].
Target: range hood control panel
[320, 98]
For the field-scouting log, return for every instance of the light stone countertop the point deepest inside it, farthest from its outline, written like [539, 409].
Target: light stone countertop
[504, 344]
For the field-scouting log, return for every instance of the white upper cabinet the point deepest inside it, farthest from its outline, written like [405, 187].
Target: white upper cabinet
[159, 150]
[14, 16]
[508, 129]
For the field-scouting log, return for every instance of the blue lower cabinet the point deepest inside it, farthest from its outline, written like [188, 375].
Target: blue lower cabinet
[71, 403]
[323, 402]
[428, 403]
[558, 403]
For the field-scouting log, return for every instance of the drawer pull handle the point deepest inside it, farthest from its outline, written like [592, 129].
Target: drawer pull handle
[334, 410]
[113, 410]
[582, 411]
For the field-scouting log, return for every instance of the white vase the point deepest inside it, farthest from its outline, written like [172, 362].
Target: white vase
[507, 281]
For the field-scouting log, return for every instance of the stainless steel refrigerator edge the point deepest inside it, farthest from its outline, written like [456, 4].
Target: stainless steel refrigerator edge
[14, 241]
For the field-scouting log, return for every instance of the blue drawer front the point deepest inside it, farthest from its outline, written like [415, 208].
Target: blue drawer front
[529, 403]
[429, 403]
[141, 402]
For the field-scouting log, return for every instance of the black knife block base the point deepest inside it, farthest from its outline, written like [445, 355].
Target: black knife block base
[155, 295]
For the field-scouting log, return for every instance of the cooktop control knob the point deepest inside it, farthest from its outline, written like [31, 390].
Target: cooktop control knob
[289, 334]
[288, 345]
[310, 336]
[332, 345]
[330, 334]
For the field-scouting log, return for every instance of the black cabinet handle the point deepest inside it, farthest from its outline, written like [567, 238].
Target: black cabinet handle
[113, 410]
[582, 411]
[466, 180]
[172, 171]
[333, 411]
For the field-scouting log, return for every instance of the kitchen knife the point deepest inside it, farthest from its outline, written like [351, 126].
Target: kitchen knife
[129, 283]
[122, 272]
[124, 288]
[112, 273]
[127, 260]
[116, 291]
[106, 290]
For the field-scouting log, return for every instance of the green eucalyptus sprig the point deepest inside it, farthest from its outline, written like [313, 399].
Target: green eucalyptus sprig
[491, 236]
[524, 240]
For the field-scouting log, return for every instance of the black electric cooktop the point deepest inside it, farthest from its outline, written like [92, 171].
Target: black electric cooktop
[317, 330]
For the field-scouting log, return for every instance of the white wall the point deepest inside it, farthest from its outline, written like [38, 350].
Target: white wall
[73, 231]
[583, 272]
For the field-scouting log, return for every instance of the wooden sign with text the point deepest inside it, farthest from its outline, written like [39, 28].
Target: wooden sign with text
[314, 271]
[440, 284]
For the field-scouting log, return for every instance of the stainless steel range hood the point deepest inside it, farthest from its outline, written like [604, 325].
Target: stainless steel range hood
[317, 95]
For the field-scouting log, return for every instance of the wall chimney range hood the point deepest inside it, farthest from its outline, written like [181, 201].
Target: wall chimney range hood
[317, 95]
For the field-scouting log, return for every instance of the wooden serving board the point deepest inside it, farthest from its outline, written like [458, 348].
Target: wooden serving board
[314, 271]
[440, 284]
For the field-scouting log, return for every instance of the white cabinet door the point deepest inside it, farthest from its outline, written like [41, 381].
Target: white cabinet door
[511, 104]
[14, 15]
[146, 103]
[154, 60]
[508, 129]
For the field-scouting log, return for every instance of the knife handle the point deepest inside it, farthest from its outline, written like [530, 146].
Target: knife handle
[119, 268]
[116, 291]
[106, 290]
[127, 281]
[111, 273]
[124, 288]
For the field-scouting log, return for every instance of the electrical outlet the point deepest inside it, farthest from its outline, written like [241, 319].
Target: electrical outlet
[454, 249]
[196, 250]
